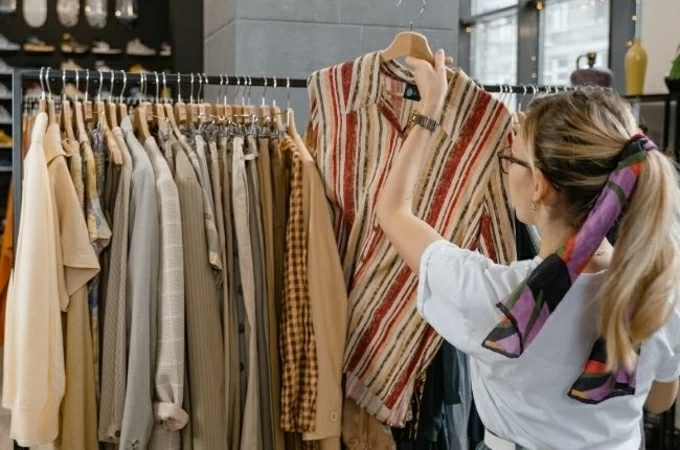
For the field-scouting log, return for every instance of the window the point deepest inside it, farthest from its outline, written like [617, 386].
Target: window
[538, 42]
[494, 54]
[482, 6]
[571, 28]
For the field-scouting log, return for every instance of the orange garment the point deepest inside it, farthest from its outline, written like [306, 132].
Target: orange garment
[6, 257]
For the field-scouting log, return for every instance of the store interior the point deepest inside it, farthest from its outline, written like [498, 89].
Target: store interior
[264, 68]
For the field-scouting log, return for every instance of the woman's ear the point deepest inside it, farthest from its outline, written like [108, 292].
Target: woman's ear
[542, 187]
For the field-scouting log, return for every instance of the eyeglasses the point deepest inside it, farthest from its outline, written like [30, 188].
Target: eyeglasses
[506, 161]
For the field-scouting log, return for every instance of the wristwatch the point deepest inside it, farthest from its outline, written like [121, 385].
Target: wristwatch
[424, 121]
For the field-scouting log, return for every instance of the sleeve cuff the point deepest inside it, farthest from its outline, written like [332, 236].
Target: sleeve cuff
[423, 284]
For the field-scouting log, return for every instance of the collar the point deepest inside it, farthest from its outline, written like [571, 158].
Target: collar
[53, 147]
[368, 77]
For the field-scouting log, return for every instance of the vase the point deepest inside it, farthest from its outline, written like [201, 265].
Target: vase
[636, 66]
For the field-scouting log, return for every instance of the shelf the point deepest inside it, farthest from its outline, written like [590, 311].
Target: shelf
[5, 97]
[650, 97]
[5, 169]
[5, 147]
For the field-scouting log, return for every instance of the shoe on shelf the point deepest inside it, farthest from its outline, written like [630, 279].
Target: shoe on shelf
[5, 139]
[4, 67]
[5, 91]
[69, 44]
[138, 68]
[70, 64]
[104, 48]
[5, 116]
[101, 65]
[136, 48]
[35, 45]
[8, 46]
[166, 49]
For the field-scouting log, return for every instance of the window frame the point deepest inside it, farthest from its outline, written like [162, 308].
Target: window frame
[622, 29]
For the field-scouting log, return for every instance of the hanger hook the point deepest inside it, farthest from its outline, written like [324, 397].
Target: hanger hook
[63, 85]
[179, 87]
[122, 92]
[264, 92]
[420, 14]
[219, 92]
[42, 83]
[250, 89]
[155, 73]
[226, 89]
[191, 95]
[165, 87]
[47, 80]
[200, 88]
[274, 96]
[288, 90]
[113, 79]
[205, 84]
[87, 83]
[77, 73]
[101, 82]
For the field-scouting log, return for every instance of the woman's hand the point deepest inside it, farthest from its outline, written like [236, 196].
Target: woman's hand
[432, 83]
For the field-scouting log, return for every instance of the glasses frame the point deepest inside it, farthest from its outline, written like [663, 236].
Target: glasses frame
[511, 159]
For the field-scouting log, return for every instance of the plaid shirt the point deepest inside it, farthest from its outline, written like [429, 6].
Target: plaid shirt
[297, 344]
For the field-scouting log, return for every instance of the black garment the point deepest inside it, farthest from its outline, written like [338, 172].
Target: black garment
[426, 430]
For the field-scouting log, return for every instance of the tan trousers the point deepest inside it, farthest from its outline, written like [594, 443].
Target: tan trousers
[251, 435]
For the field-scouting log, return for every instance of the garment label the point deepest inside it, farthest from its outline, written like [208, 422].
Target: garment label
[411, 92]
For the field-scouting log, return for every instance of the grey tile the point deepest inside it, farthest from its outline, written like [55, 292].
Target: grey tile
[319, 11]
[217, 14]
[219, 51]
[441, 14]
[377, 38]
[293, 49]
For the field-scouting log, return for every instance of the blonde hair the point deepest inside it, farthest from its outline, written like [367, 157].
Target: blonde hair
[575, 140]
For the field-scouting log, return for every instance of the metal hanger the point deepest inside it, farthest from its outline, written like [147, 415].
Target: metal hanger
[122, 107]
[51, 109]
[66, 113]
[141, 120]
[111, 105]
[409, 43]
[180, 113]
[158, 109]
[42, 103]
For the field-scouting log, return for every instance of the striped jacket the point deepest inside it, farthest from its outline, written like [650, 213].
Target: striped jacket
[358, 123]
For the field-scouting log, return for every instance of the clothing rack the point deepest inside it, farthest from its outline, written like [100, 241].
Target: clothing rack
[20, 77]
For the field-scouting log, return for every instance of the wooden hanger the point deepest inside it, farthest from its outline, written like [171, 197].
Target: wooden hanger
[172, 120]
[67, 119]
[141, 122]
[87, 105]
[111, 145]
[122, 107]
[219, 108]
[410, 43]
[111, 107]
[51, 110]
[180, 113]
[276, 114]
[292, 129]
[158, 110]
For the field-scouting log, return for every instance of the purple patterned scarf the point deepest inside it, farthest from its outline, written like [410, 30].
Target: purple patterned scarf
[529, 307]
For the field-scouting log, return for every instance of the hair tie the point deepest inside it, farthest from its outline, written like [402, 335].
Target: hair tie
[528, 308]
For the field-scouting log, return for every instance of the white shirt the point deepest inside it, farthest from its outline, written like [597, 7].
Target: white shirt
[33, 372]
[524, 400]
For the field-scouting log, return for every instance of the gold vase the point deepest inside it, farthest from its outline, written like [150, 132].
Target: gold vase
[636, 67]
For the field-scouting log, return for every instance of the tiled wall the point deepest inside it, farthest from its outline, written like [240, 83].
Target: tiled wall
[295, 37]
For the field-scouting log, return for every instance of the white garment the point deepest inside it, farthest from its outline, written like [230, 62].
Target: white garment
[525, 399]
[34, 374]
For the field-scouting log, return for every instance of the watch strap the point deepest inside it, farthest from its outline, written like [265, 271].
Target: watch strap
[424, 121]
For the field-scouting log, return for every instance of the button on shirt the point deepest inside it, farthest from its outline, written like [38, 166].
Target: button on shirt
[358, 117]
[524, 400]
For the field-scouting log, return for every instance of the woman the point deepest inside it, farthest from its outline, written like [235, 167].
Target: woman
[566, 349]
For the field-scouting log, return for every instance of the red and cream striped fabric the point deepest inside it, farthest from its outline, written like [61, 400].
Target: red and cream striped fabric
[358, 118]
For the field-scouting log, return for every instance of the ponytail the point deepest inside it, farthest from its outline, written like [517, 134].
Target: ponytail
[639, 291]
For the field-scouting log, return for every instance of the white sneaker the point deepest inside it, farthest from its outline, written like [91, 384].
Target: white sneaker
[166, 49]
[101, 65]
[4, 67]
[5, 91]
[8, 46]
[5, 116]
[136, 48]
[103, 48]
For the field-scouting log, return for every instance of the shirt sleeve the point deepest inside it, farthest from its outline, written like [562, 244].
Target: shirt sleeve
[458, 291]
[669, 369]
